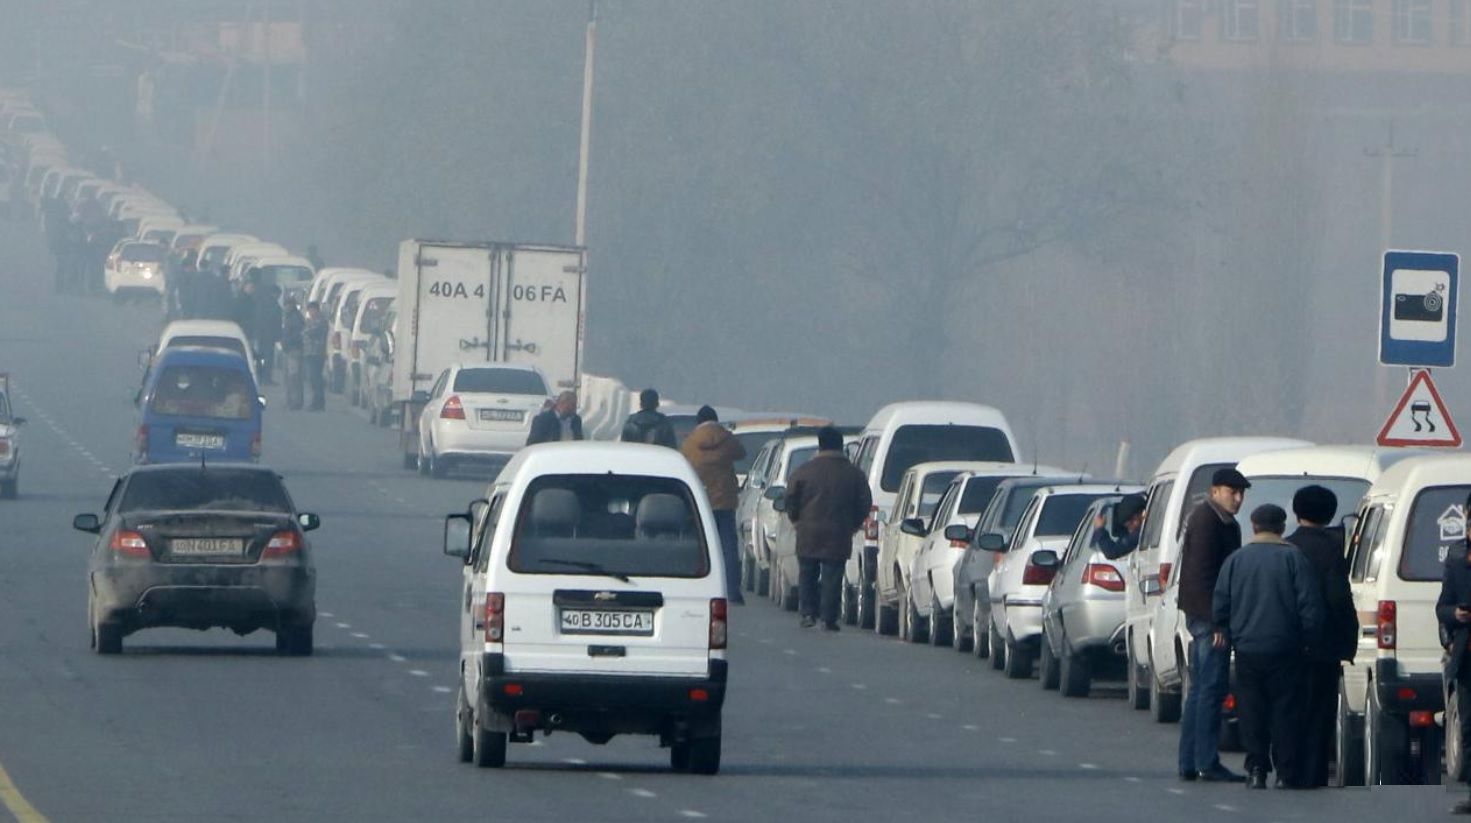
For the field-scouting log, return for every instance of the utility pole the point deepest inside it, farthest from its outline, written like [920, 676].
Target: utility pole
[1387, 154]
[266, 85]
[589, 49]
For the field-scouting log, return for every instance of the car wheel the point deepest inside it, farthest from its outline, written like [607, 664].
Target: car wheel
[1134, 673]
[998, 647]
[906, 629]
[763, 581]
[91, 626]
[488, 747]
[1386, 746]
[942, 629]
[438, 466]
[109, 638]
[464, 742]
[959, 631]
[773, 583]
[1047, 674]
[704, 755]
[295, 641]
[1164, 706]
[1074, 675]
[789, 595]
[919, 628]
[867, 614]
[679, 757]
[1348, 745]
[1018, 663]
[1454, 756]
[980, 631]
[849, 604]
[886, 619]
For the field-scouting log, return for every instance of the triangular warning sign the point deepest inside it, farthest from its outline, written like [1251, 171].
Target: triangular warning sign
[1420, 418]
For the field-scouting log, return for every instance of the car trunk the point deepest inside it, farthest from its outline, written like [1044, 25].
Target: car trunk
[207, 537]
[500, 412]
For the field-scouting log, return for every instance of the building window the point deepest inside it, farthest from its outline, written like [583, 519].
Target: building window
[1239, 19]
[1353, 21]
[1460, 23]
[1412, 22]
[1187, 18]
[1297, 20]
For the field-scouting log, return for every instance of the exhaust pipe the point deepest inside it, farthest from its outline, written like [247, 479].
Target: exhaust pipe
[554, 719]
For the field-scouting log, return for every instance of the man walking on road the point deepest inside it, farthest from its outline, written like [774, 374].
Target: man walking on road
[648, 424]
[1315, 507]
[1453, 611]
[1211, 535]
[827, 499]
[314, 354]
[713, 451]
[293, 324]
[1267, 606]
[558, 423]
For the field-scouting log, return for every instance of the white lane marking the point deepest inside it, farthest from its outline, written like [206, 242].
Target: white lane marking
[893, 701]
[327, 614]
[400, 500]
[397, 658]
[642, 793]
[360, 635]
[344, 625]
[1047, 752]
[824, 670]
[859, 686]
[1131, 779]
[443, 689]
[1175, 791]
[766, 640]
[418, 673]
[789, 651]
[1007, 739]
[576, 761]
[610, 776]
[691, 813]
[1088, 766]
[1226, 808]
[933, 716]
[377, 646]
[971, 727]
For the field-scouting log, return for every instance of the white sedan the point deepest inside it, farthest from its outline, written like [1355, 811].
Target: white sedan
[478, 412]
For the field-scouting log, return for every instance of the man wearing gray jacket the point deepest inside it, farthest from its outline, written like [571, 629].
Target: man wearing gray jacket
[1268, 607]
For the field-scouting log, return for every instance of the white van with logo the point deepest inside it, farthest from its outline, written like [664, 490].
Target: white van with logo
[899, 437]
[593, 602]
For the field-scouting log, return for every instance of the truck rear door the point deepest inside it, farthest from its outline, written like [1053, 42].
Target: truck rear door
[541, 311]
[452, 321]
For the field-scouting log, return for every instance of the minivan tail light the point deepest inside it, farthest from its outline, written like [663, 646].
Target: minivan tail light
[282, 543]
[718, 628]
[129, 543]
[255, 446]
[1164, 574]
[871, 524]
[1103, 576]
[1034, 575]
[495, 617]
[4, 446]
[1386, 624]
[142, 441]
[453, 409]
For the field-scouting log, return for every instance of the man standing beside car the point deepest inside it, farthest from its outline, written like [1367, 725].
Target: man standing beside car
[558, 422]
[1453, 611]
[292, 326]
[1314, 507]
[827, 500]
[314, 354]
[1211, 535]
[712, 450]
[1267, 606]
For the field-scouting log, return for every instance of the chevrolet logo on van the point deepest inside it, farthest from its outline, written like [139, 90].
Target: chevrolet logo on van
[605, 596]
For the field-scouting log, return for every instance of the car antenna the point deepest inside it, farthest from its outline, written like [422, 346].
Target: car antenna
[1083, 475]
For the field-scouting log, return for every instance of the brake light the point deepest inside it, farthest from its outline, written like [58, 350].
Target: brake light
[453, 409]
[1034, 575]
[255, 446]
[282, 543]
[4, 446]
[871, 524]
[129, 543]
[142, 442]
[958, 544]
[1229, 704]
[1386, 627]
[1103, 576]
[717, 623]
[1406, 694]
[1164, 574]
[495, 617]
[1422, 720]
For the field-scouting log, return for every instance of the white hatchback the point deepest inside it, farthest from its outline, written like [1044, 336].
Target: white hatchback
[134, 266]
[593, 602]
[478, 412]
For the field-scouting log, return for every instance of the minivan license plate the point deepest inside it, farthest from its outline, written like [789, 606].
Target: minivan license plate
[598, 621]
[195, 440]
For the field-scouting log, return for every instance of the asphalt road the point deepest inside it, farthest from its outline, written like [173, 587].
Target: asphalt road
[210, 726]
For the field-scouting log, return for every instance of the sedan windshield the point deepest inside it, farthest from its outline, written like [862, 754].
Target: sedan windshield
[205, 489]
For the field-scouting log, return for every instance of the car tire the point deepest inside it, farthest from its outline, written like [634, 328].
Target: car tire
[919, 626]
[109, 638]
[10, 489]
[789, 595]
[773, 583]
[885, 619]
[464, 742]
[1348, 746]
[1075, 675]
[867, 614]
[1018, 663]
[980, 630]
[1455, 758]
[1164, 707]
[942, 626]
[704, 755]
[998, 648]
[1386, 746]
[1138, 696]
[438, 466]
[849, 604]
[295, 640]
[488, 747]
[1047, 673]
[679, 757]
[960, 636]
[763, 581]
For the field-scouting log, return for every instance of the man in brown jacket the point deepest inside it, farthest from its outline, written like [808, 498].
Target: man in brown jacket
[827, 500]
[713, 451]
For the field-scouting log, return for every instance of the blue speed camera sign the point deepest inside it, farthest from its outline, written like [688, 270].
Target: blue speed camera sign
[1417, 309]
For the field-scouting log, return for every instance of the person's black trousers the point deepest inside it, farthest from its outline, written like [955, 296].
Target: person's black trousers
[1271, 695]
[1463, 705]
[1320, 717]
[819, 587]
[314, 366]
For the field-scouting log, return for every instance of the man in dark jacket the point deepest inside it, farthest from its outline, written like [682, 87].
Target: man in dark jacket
[827, 499]
[560, 422]
[1314, 507]
[648, 424]
[1128, 518]
[1268, 607]
[1453, 612]
[314, 354]
[292, 326]
[1211, 534]
[267, 327]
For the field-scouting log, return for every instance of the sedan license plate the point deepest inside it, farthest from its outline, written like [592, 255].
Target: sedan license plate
[503, 415]
[197, 440]
[207, 547]
[598, 621]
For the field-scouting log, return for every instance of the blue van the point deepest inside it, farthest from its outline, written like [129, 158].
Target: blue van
[199, 403]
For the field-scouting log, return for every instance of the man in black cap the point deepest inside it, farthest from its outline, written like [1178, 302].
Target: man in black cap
[1315, 507]
[1128, 518]
[1211, 535]
[1267, 606]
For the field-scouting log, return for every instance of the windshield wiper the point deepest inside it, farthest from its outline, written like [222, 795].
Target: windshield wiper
[595, 568]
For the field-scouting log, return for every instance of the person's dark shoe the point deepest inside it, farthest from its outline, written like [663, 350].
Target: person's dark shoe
[831, 627]
[1464, 807]
[809, 622]
[1189, 777]
[1221, 774]
[1257, 780]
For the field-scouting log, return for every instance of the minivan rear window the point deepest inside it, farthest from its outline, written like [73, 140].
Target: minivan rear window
[500, 381]
[228, 343]
[1437, 526]
[609, 524]
[204, 391]
[916, 444]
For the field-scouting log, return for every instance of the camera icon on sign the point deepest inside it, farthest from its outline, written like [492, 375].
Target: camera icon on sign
[1425, 308]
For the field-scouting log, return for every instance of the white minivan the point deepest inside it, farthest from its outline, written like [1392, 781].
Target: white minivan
[593, 602]
[899, 436]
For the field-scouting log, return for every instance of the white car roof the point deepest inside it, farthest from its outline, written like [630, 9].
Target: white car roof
[227, 239]
[481, 364]
[243, 249]
[596, 457]
[1221, 450]
[202, 328]
[985, 469]
[283, 260]
[937, 411]
[982, 468]
[1418, 472]
[1359, 462]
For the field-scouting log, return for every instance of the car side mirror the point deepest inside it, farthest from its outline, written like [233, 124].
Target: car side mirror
[87, 523]
[1046, 559]
[308, 521]
[991, 542]
[958, 532]
[1150, 586]
[145, 357]
[774, 493]
[419, 397]
[913, 526]
[780, 504]
[262, 400]
[457, 535]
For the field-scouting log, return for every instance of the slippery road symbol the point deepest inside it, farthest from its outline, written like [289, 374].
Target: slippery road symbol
[1421, 409]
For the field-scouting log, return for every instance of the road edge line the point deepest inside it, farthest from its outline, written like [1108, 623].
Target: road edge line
[16, 802]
